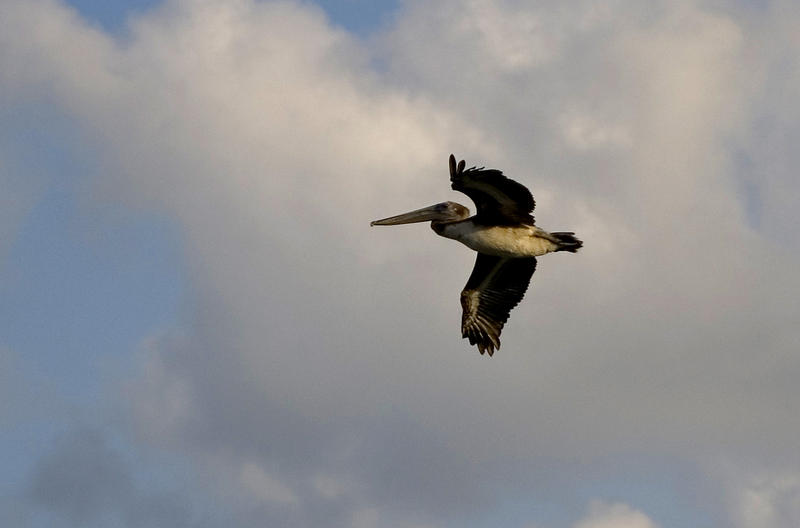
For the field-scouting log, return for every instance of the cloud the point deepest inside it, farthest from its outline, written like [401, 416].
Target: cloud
[761, 496]
[265, 487]
[81, 478]
[15, 202]
[85, 481]
[605, 515]
[319, 346]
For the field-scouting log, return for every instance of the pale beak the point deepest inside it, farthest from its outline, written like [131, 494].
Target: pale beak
[426, 214]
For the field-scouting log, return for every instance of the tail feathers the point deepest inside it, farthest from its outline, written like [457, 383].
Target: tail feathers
[567, 241]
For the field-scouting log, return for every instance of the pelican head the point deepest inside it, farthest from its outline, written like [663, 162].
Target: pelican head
[441, 213]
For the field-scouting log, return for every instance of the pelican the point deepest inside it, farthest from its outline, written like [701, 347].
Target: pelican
[507, 242]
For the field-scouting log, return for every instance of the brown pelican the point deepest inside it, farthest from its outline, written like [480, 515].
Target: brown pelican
[507, 242]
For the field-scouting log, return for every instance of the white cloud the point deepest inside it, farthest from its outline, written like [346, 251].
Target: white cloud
[763, 498]
[328, 486]
[265, 487]
[322, 347]
[585, 132]
[614, 515]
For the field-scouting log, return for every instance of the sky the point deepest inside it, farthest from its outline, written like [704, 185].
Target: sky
[198, 327]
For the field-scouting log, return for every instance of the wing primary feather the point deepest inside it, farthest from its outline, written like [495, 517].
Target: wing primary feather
[494, 288]
[499, 199]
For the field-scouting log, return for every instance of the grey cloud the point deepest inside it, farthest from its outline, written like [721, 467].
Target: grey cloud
[81, 479]
[86, 482]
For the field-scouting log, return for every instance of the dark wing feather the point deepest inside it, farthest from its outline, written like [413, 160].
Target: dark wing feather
[494, 288]
[500, 200]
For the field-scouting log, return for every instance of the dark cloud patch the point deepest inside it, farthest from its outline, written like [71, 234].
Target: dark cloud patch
[82, 479]
[85, 481]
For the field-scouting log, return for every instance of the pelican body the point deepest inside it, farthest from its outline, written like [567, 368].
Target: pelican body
[500, 241]
[506, 239]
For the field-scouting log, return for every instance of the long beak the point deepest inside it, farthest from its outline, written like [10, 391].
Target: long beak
[426, 214]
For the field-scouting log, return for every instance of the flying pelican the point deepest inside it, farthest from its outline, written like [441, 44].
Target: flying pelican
[507, 242]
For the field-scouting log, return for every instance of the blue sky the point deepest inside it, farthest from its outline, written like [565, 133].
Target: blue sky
[359, 16]
[198, 328]
[112, 14]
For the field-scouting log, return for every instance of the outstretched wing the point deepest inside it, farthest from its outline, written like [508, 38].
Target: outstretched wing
[500, 201]
[494, 288]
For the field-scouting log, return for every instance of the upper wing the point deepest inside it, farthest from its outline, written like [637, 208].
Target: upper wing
[494, 288]
[499, 200]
